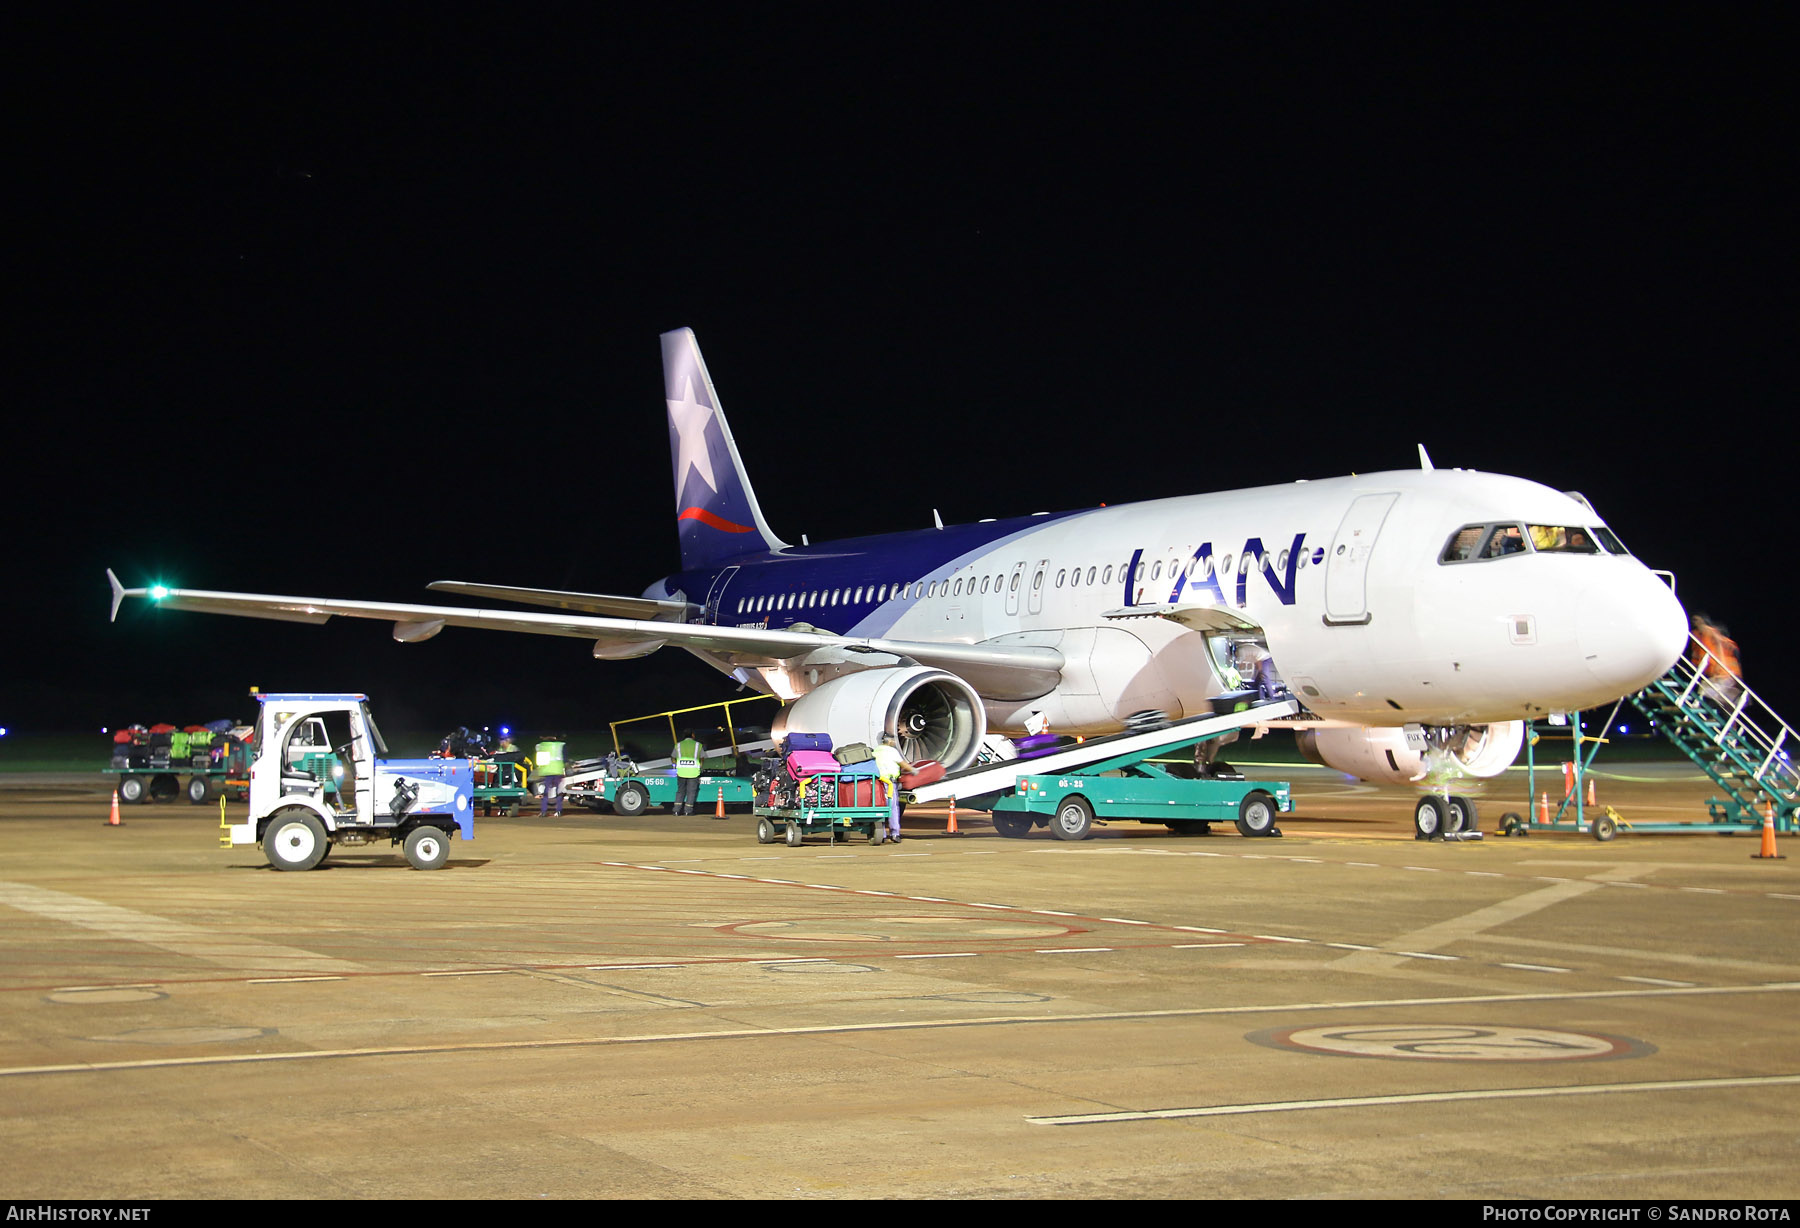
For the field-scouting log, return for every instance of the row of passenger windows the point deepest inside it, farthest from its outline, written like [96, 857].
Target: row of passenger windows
[970, 586]
[1474, 542]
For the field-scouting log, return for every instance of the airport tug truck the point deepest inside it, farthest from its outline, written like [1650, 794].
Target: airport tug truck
[303, 802]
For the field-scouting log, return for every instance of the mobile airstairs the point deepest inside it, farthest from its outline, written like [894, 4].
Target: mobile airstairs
[1728, 731]
[1736, 739]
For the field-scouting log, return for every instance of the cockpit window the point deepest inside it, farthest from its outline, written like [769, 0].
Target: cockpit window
[1503, 539]
[1484, 541]
[1463, 546]
[1563, 539]
[1610, 540]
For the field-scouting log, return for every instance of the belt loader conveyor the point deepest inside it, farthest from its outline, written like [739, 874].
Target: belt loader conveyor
[988, 779]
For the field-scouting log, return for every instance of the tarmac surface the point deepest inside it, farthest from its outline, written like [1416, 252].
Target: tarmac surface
[660, 1007]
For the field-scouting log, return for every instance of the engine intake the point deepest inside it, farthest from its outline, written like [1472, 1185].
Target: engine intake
[933, 714]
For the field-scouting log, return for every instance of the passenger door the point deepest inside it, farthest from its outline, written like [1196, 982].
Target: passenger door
[1347, 564]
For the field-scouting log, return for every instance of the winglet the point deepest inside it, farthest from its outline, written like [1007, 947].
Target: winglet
[716, 511]
[1424, 460]
[118, 593]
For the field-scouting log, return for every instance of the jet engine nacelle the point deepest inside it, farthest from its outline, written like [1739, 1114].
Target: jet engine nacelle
[935, 715]
[1382, 755]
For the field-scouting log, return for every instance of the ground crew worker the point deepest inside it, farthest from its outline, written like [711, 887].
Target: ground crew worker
[687, 773]
[1716, 656]
[889, 766]
[550, 771]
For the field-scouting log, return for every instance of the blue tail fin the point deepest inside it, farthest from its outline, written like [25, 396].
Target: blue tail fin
[716, 511]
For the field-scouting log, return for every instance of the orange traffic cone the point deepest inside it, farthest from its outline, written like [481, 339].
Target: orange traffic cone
[1768, 852]
[1590, 800]
[719, 806]
[1568, 780]
[1543, 814]
[115, 821]
[951, 830]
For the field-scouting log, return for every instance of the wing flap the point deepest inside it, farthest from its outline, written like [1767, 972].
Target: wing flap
[584, 603]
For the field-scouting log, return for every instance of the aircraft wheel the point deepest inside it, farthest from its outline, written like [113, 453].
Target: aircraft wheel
[1428, 818]
[294, 840]
[1256, 814]
[1604, 828]
[1459, 816]
[631, 800]
[1074, 818]
[427, 848]
[793, 835]
[1012, 826]
[765, 831]
[132, 790]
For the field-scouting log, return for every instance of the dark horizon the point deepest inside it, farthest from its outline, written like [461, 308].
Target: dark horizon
[340, 313]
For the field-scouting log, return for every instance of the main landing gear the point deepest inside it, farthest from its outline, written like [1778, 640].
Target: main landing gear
[1445, 817]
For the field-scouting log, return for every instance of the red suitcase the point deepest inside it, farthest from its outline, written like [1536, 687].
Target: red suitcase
[861, 791]
[927, 772]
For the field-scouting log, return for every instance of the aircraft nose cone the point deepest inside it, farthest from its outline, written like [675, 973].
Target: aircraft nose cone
[1630, 631]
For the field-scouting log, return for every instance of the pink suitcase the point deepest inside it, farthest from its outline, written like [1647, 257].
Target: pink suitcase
[810, 763]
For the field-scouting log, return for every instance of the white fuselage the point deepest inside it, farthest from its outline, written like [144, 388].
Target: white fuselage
[1344, 578]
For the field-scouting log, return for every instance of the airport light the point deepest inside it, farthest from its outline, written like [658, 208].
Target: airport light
[158, 591]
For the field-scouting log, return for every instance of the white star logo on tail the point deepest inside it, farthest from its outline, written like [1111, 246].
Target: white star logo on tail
[690, 418]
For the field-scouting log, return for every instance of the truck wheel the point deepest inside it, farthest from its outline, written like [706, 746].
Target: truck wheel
[132, 790]
[1012, 826]
[294, 840]
[427, 848]
[1074, 818]
[631, 800]
[1256, 814]
[199, 790]
[765, 832]
[793, 835]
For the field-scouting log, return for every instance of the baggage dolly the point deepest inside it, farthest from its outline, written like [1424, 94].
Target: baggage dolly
[812, 817]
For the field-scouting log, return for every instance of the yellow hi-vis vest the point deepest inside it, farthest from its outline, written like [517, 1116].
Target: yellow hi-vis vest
[550, 758]
[687, 758]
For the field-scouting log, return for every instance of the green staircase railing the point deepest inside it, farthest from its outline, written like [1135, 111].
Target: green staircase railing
[1734, 737]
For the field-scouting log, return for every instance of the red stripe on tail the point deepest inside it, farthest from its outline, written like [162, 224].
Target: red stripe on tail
[711, 521]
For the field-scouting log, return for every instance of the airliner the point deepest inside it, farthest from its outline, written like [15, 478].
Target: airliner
[1420, 617]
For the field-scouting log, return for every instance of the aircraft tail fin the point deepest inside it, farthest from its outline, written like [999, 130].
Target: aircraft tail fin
[716, 511]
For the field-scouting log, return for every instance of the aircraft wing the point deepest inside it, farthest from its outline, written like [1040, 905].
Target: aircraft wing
[1022, 664]
[586, 603]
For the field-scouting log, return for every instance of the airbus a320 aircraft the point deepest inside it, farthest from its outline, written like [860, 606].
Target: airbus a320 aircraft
[1419, 616]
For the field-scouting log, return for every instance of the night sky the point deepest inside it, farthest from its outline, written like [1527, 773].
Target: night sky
[342, 310]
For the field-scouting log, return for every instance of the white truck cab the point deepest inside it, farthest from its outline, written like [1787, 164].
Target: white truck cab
[321, 775]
